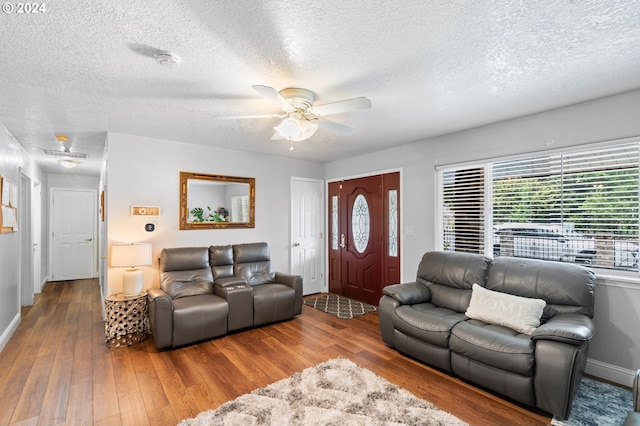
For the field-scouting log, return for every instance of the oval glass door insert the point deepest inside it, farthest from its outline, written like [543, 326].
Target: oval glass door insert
[360, 223]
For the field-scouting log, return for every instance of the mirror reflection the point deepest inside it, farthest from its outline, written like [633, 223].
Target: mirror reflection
[216, 201]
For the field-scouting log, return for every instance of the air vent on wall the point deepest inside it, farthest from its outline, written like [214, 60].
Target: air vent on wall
[64, 153]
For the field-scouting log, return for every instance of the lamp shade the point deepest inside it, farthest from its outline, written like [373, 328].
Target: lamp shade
[131, 255]
[289, 127]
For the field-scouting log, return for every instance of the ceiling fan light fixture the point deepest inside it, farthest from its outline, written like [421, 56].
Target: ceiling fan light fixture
[289, 128]
[308, 129]
[68, 164]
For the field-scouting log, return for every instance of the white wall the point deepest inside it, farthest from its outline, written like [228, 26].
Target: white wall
[145, 171]
[605, 119]
[13, 158]
[68, 181]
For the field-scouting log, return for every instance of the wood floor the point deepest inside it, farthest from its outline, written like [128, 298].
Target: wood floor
[56, 368]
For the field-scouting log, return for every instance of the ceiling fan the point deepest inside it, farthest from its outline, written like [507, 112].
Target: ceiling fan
[301, 119]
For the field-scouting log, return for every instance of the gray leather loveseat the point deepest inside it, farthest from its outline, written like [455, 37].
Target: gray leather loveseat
[537, 365]
[206, 292]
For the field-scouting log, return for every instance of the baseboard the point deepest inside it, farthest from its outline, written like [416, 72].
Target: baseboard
[42, 284]
[104, 312]
[6, 335]
[610, 372]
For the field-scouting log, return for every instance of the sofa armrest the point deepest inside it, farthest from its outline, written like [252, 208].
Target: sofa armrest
[154, 293]
[230, 282]
[575, 329]
[239, 296]
[161, 317]
[408, 293]
[295, 282]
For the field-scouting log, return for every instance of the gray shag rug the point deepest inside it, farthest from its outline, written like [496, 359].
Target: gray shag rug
[340, 306]
[336, 392]
[598, 404]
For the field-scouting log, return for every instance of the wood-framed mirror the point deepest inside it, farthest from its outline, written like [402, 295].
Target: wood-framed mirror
[216, 201]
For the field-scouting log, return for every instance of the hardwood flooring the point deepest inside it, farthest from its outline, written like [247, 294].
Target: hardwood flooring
[57, 370]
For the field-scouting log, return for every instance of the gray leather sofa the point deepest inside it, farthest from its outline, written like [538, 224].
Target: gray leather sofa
[426, 320]
[206, 292]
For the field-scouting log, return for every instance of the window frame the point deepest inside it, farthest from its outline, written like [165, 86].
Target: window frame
[487, 221]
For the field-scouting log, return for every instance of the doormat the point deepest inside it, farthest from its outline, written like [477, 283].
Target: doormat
[340, 306]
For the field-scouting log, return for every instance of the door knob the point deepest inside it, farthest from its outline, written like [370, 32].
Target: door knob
[296, 244]
[89, 239]
[342, 241]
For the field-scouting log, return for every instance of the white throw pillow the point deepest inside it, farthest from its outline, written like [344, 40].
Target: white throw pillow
[518, 313]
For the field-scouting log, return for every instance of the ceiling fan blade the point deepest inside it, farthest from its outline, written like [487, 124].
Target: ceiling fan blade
[341, 106]
[334, 127]
[236, 117]
[273, 96]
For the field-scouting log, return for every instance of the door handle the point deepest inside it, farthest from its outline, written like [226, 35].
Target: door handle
[342, 241]
[296, 244]
[89, 239]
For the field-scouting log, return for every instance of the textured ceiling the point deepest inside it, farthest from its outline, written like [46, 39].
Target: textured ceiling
[84, 68]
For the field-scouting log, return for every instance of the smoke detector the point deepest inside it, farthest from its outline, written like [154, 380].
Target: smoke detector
[168, 60]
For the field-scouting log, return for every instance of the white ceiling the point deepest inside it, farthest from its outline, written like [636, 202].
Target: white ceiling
[84, 68]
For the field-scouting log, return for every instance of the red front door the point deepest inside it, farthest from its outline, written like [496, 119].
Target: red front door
[364, 245]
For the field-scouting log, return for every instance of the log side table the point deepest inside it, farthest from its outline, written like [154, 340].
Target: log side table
[127, 320]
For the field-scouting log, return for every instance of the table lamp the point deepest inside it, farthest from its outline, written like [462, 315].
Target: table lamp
[130, 256]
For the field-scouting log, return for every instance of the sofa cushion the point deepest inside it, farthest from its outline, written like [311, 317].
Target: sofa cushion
[567, 288]
[494, 345]
[254, 273]
[252, 263]
[185, 271]
[199, 318]
[272, 302]
[427, 322]
[221, 260]
[184, 259]
[450, 275]
[179, 284]
[519, 313]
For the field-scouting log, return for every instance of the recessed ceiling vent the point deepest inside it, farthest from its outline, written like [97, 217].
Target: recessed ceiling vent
[167, 59]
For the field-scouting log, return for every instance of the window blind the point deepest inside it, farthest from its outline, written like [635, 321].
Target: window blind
[579, 206]
[463, 193]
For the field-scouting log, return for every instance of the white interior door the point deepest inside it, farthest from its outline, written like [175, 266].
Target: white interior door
[26, 242]
[307, 242]
[73, 234]
[36, 205]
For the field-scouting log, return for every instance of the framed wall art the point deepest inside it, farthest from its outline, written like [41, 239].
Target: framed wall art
[146, 211]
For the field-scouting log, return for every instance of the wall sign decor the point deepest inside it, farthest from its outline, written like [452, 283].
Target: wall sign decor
[9, 203]
[147, 211]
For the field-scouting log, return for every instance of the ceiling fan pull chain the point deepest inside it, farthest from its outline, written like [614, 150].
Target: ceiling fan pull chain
[290, 145]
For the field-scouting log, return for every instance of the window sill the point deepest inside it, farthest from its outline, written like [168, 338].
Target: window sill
[617, 279]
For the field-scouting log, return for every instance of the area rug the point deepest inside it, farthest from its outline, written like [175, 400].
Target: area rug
[340, 306]
[336, 392]
[598, 404]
